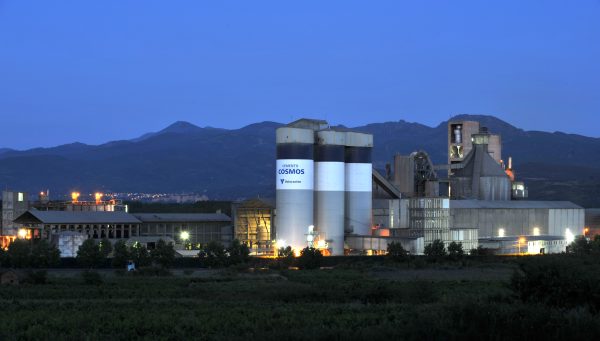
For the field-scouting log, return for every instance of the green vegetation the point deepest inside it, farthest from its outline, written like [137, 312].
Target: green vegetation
[548, 297]
[396, 251]
[30, 254]
[435, 251]
[310, 258]
[89, 254]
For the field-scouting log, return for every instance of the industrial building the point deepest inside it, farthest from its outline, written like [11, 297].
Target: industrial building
[195, 229]
[253, 225]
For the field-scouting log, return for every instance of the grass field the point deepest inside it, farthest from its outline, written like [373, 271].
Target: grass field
[375, 302]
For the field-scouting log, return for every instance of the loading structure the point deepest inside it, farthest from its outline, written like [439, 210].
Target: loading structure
[324, 185]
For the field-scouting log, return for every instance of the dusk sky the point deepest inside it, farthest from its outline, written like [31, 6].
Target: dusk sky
[95, 71]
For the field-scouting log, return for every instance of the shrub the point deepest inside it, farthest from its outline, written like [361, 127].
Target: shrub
[105, 247]
[139, 255]
[18, 253]
[480, 251]
[89, 255]
[310, 258]
[435, 250]
[155, 271]
[163, 254]
[455, 250]
[213, 255]
[120, 255]
[285, 258]
[44, 254]
[580, 246]
[396, 251]
[91, 277]
[238, 252]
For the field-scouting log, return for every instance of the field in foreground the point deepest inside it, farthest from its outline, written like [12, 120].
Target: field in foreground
[437, 302]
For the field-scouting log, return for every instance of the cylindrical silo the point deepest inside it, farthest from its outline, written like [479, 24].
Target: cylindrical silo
[358, 180]
[295, 185]
[329, 188]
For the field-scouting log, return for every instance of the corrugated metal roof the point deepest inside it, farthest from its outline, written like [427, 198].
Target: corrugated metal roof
[514, 204]
[80, 217]
[181, 217]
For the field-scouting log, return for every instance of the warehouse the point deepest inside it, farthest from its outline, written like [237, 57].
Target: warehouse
[518, 218]
[194, 229]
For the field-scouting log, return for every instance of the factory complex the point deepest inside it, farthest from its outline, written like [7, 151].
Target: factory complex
[329, 196]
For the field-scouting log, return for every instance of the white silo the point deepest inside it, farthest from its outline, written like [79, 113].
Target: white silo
[358, 183]
[329, 188]
[295, 185]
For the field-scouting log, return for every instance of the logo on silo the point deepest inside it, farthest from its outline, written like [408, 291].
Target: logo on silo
[298, 174]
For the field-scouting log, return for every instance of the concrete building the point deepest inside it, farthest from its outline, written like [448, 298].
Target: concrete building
[518, 218]
[96, 225]
[13, 205]
[460, 141]
[479, 176]
[592, 221]
[195, 229]
[253, 225]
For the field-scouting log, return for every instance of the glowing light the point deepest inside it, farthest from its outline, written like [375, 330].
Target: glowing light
[522, 240]
[75, 196]
[296, 253]
[22, 233]
[184, 235]
[280, 243]
[569, 236]
[586, 231]
[98, 197]
[536, 231]
[501, 232]
[311, 228]
[321, 244]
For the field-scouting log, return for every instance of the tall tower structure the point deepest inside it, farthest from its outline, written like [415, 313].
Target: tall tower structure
[330, 175]
[294, 184]
[324, 179]
[359, 185]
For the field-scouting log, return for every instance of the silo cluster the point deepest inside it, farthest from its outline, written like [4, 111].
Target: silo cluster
[324, 180]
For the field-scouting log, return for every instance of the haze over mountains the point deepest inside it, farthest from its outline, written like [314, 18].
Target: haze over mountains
[240, 163]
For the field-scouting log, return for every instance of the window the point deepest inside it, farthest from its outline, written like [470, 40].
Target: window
[20, 197]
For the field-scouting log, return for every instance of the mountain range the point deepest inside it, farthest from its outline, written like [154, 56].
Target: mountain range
[239, 163]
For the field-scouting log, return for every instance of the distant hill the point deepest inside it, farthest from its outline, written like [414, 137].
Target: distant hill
[239, 163]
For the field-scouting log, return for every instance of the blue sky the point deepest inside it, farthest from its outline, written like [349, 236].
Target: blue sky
[94, 71]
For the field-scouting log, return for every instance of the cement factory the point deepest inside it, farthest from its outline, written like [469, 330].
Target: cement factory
[330, 197]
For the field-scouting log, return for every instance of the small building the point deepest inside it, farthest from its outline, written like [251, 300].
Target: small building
[525, 245]
[184, 228]
[13, 205]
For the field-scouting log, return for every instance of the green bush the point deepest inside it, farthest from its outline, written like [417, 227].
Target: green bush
[139, 255]
[213, 255]
[120, 255]
[455, 251]
[396, 251]
[18, 253]
[89, 255]
[238, 253]
[105, 247]
[435, 251]
[310, 258]
[163, 254]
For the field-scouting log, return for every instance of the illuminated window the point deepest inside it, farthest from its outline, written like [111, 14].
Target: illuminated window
[20, 196]
[500, 232]
[536, 231]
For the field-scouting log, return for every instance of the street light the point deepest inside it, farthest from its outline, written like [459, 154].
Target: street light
[184, 235]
